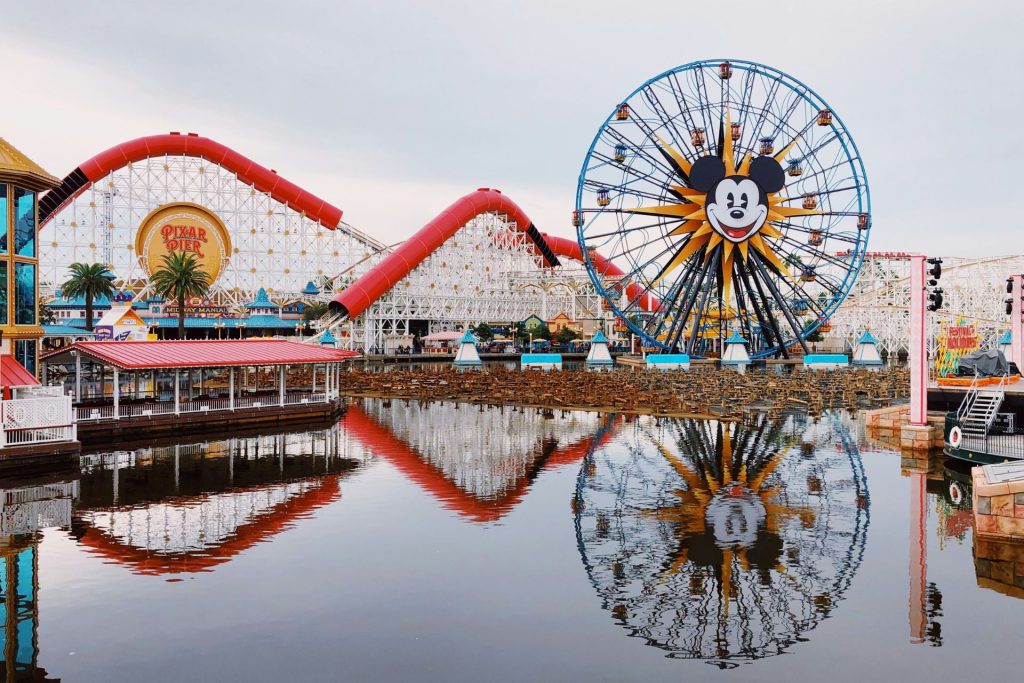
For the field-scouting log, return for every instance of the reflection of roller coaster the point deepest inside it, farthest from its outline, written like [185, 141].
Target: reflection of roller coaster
[482, 465]
[722, 541]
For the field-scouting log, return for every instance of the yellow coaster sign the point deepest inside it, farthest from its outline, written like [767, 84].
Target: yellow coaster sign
[954, 342]
[183, 227]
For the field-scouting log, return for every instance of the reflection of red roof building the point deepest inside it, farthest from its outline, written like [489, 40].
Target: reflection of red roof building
[379, 440]
[316, 493]
[181, 509]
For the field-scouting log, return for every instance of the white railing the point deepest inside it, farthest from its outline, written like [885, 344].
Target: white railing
[144, 409]
[36, 420]
[201, 405]
[23, 437]
[38, 392]
[84, 414]
[292, 399]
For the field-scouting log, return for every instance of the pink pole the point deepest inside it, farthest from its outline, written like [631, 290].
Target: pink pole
[1017, 323]
[918, 342]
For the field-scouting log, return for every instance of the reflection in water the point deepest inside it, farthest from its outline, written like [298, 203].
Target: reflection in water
[24, 510]
[484, 459]
[174, 509]
[711, 540]
[998, 563]
[723, 541]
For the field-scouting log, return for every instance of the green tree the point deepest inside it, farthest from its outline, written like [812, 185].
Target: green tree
[179, 278]
[565, 335]
[813, 336]
[314, 311]
[539, 331]
[89, 281]
[484, 332]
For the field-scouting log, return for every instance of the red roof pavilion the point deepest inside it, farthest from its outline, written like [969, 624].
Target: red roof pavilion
[14, 374]
[156, 355]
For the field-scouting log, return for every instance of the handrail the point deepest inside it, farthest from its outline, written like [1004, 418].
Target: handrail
[969, 398]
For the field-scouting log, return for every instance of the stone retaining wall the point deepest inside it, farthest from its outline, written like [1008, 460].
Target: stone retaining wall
[890, 426]
[998, 508]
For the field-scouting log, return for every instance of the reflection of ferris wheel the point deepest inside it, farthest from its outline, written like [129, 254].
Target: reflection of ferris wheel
[724, 190]
[724, 542]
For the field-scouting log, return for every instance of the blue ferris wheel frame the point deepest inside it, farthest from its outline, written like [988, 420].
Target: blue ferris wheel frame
[849, 147]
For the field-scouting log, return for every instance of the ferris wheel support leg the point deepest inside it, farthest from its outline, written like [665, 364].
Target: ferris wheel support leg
[1017, 322]
[918, 339]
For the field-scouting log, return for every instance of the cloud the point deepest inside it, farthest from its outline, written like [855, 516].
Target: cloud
[393, 110]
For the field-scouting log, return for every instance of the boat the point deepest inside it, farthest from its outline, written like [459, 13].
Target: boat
[983, 430]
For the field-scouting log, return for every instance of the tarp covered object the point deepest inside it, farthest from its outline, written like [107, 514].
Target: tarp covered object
[990, 363]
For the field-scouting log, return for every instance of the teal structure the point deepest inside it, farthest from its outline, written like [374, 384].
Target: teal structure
[467, 355]
[599, 356]
[826, 361]
[668, 361]
[541, 361]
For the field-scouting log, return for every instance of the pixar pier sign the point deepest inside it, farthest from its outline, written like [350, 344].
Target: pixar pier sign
[191, 238]
[183, 227]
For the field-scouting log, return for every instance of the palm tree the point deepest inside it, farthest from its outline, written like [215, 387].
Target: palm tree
[90, 281]
[179, 278]
[314, 310]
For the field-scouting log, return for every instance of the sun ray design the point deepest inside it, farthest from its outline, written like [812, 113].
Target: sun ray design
[699, 236]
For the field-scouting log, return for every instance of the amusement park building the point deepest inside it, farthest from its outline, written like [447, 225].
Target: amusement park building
[481, 260]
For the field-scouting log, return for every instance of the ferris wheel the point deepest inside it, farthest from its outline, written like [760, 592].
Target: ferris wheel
[732, 198]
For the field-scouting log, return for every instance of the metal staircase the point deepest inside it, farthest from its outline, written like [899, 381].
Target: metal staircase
[978, 411]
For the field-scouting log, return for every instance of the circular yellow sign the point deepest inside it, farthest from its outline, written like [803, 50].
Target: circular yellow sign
[183, 227]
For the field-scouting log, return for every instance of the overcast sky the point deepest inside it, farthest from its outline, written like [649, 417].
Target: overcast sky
[392, 110]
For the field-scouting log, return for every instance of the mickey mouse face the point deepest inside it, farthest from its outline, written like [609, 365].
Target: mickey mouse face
[735, 210]
[736, 205]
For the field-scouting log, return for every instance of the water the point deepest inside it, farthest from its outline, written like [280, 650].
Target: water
[450, 542]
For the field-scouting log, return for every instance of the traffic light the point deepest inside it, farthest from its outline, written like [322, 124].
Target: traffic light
[935, 272]
[935, 300]
[1009, 307]
[1009, 285]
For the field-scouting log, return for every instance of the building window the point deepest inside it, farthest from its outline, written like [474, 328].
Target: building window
[3, 291]
[25, 294]
[24, 222]
[3, 219]
[25, 353]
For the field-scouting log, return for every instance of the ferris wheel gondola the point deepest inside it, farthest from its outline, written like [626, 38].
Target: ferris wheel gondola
[725, 191]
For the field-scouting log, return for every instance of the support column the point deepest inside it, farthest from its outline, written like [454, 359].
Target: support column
[177, 392]
[78, 376]
[280, 383]
[117, 395]
[231, 388]
[918, 342]
[314, 379]
[1017, 321]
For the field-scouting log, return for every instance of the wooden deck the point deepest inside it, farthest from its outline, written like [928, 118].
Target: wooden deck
[91, 433]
